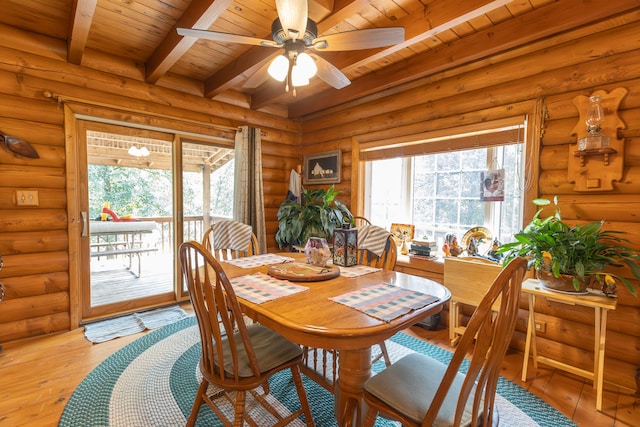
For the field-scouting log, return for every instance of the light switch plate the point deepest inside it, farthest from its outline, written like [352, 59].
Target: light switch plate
[27, 198]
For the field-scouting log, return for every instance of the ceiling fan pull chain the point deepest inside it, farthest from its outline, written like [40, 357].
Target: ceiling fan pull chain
[289, 79]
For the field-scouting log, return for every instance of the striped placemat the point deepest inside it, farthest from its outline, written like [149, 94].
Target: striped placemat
[260, 287]
[357, 270]
[258, 260]
[384, 301]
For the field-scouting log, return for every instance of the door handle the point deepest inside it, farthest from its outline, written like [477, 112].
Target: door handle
[83, 214]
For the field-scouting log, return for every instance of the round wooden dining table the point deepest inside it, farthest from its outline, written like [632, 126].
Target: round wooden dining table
[311, 318]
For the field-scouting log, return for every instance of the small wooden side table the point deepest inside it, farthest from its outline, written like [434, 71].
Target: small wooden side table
[600, 304]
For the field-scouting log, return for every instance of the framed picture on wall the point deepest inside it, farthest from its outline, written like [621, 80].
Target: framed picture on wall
[322, 168]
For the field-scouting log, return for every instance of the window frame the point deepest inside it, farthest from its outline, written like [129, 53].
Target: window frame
[492, 215]
[401, 142]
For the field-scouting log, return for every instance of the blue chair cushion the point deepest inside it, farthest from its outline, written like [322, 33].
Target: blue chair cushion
[271, 350]
[410, 384]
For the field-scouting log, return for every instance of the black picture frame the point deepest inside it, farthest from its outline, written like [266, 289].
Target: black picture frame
[322, 168]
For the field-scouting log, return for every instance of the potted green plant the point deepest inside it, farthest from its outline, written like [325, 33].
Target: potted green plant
[578, 254]
[317, 216]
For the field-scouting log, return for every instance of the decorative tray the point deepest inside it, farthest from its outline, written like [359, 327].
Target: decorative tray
[479, 233]
[303, 272]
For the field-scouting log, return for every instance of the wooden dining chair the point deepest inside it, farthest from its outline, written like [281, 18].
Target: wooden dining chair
[359, 221]
[320, 364]
[385, 260]
[230, 239]
[235, 357]
[421, 391]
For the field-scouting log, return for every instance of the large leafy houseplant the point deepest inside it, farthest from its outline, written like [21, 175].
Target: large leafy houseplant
[581, 251]
[317, 216]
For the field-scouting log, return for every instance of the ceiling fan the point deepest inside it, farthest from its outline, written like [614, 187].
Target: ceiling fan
[297, 34]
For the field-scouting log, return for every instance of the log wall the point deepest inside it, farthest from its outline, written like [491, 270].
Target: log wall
[546, 75]
[539, 80]
[34, 240]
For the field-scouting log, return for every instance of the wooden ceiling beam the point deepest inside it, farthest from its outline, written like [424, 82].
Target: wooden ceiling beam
[238, 70]
[200, 14]
[342, 10]
[79, 25]
[439, 16]
[529, 27]
[245, 65]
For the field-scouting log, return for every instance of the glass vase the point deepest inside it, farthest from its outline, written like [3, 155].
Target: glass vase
[317, 251]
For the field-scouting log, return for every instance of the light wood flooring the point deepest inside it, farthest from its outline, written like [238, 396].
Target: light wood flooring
[37, 377]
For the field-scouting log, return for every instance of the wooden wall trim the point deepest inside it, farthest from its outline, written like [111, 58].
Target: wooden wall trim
[532, 155]
[74, 223]
[357, 172]
[75, 101]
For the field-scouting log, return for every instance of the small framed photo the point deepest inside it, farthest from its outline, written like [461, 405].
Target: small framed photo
[492, 185]
[402, 232]
[322, 168]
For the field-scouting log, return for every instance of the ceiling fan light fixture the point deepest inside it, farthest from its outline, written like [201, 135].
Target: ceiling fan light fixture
[307, 65]
[138, 152]
[279, 68]
[298, 77]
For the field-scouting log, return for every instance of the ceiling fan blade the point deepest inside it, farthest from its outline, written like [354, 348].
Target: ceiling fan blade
[330, 74]
[293, 16]
[224, 37]
[360, 39]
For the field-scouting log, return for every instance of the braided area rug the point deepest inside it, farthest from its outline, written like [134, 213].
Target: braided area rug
[153, 381]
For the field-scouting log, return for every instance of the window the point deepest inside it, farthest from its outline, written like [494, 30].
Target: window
[207, 186]
[441, 192]
[219, 165]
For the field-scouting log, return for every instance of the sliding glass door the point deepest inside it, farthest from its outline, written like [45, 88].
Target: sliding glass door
[129, 217]
[142, 193]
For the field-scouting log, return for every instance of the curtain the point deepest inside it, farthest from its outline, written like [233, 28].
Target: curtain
[249, 198]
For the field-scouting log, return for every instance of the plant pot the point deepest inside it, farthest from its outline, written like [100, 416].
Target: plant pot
[564, 283]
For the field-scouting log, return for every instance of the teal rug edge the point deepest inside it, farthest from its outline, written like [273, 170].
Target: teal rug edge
[101, 380]
[75, 414]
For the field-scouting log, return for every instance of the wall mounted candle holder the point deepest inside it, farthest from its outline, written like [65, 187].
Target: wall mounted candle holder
[596, 159]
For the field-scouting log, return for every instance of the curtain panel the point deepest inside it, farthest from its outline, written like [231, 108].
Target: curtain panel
[249, 197]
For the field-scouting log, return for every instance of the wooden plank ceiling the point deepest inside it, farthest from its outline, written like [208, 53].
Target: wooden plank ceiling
[439, 35]
[123, 150]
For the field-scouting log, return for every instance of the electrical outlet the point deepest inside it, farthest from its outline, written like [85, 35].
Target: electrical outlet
[27, 198]
[541, 327]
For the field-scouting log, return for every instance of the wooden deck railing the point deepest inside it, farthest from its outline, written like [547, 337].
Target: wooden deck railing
[193, 229]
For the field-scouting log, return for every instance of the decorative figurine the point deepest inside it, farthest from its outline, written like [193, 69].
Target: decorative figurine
[472, 247]
[493, 252]
[445, 249]
[451, 247]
